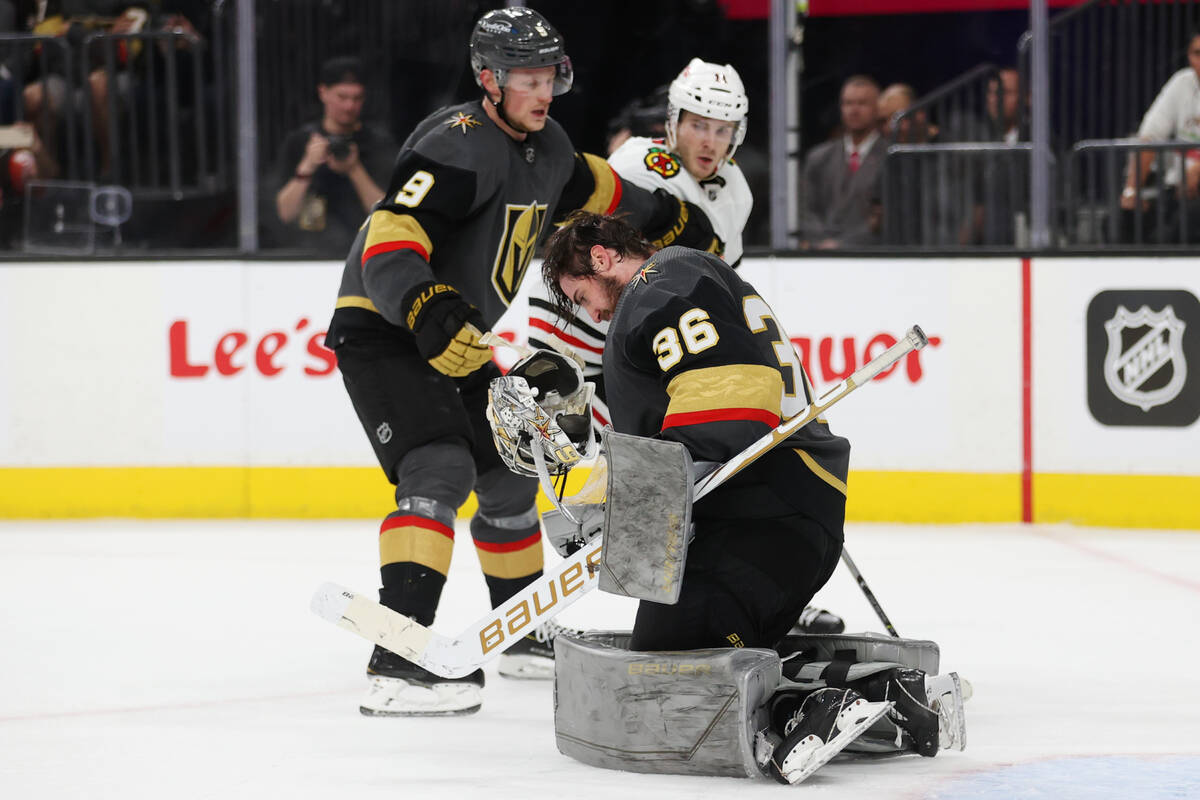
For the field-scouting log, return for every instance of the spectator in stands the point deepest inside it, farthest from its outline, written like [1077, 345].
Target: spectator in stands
[48, 96]
[914, 129]
[985, 198]
[1174, 114]
[329, 172]
[842, 176]
[1004, 107]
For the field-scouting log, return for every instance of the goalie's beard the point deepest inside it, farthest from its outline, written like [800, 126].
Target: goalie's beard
[610, 289]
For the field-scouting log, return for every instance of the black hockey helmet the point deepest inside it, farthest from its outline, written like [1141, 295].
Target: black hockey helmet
[519, 37]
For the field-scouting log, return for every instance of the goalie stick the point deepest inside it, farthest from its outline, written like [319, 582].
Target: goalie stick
[564, 584]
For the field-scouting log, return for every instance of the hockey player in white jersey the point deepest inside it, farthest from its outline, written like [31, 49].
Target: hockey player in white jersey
[706, 121]
[707, 110]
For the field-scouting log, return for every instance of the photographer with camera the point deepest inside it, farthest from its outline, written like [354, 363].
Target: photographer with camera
[329, 173]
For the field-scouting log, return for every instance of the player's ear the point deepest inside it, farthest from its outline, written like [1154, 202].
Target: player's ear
[600, 258]
[487, 78]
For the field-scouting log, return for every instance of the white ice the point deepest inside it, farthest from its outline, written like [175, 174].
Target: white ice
[179, 660]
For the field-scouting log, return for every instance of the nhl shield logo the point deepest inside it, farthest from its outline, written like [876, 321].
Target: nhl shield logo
[1150, 370]
[383, 433]
[1137, 361]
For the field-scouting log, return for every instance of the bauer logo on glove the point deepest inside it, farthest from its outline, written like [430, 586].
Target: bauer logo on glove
[447, 329]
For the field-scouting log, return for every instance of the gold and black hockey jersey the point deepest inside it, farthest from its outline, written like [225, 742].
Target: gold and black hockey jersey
[466, 206]
[695, 355]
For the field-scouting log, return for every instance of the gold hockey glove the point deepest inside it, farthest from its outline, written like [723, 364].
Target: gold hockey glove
[447, 329]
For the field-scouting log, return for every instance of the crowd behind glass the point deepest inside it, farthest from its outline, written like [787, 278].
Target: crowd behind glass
[118, 129]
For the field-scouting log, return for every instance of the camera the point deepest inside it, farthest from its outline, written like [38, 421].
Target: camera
[339, 146]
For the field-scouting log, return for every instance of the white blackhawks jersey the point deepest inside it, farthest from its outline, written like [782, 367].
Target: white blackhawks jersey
[725, 199]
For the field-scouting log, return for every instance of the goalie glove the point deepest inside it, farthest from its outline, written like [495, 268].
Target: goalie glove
[447, 329]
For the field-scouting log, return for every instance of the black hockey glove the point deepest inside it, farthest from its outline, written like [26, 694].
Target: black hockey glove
[689, 227]
[447, 328]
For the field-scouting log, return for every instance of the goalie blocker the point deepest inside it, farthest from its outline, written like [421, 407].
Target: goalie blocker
[733, 712]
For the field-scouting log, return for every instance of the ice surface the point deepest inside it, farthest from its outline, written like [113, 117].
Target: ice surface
[180, 660]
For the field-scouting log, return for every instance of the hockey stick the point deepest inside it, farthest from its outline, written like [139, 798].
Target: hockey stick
[866, 590]
[570, 579]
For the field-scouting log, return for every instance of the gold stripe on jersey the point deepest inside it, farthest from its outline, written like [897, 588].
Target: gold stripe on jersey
[820, 471]
[750, 386]
[354, 301]
[607, 194]
[390, 231]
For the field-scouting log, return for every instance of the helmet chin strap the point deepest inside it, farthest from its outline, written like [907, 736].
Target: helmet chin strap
[499, 106]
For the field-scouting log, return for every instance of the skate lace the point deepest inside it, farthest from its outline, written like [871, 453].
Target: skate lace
[549, 629]
[799, 714]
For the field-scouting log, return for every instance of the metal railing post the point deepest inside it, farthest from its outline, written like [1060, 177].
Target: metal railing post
[247, 137]
[1039, 166]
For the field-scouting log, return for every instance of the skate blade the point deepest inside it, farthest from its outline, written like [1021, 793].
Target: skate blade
[952, 722]
[818, 758]
[525, 668]
[395, 697]
[461, 712]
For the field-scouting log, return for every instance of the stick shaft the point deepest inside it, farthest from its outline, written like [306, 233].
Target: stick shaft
[866, 590]
[914, 339]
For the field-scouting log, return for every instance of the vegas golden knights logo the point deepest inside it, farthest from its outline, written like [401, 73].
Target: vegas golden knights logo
[522, 224]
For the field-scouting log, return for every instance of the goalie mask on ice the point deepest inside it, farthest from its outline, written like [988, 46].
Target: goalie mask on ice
[541, 411]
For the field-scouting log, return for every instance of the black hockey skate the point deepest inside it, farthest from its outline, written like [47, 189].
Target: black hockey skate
[814, 726]
[817, 620]
[912, 713]
[400, 688]
[532, 656]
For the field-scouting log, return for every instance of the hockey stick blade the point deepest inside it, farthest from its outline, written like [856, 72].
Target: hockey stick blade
[567, 581]
[480, 642]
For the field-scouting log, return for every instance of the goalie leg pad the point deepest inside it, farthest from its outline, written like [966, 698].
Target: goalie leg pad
[691, 712]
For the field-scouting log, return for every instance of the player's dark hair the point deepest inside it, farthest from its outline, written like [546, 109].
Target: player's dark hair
[569, 251]
[343, 69]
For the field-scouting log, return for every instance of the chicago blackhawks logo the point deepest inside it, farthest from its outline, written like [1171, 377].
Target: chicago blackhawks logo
[522, 225]
[1144, 365]
[463, 122]
[663, 162]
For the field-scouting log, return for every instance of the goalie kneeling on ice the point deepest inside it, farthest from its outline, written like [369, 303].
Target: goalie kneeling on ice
[694, 712]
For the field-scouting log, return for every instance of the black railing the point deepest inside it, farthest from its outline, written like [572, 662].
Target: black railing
[955, 111]
[954, 196]
[48, 63]
[1163, 213]
[1109, 59]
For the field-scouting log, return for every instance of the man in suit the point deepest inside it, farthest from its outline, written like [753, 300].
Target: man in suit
[843, 176]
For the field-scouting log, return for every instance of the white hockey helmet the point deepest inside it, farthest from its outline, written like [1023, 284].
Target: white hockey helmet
[710, 90]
